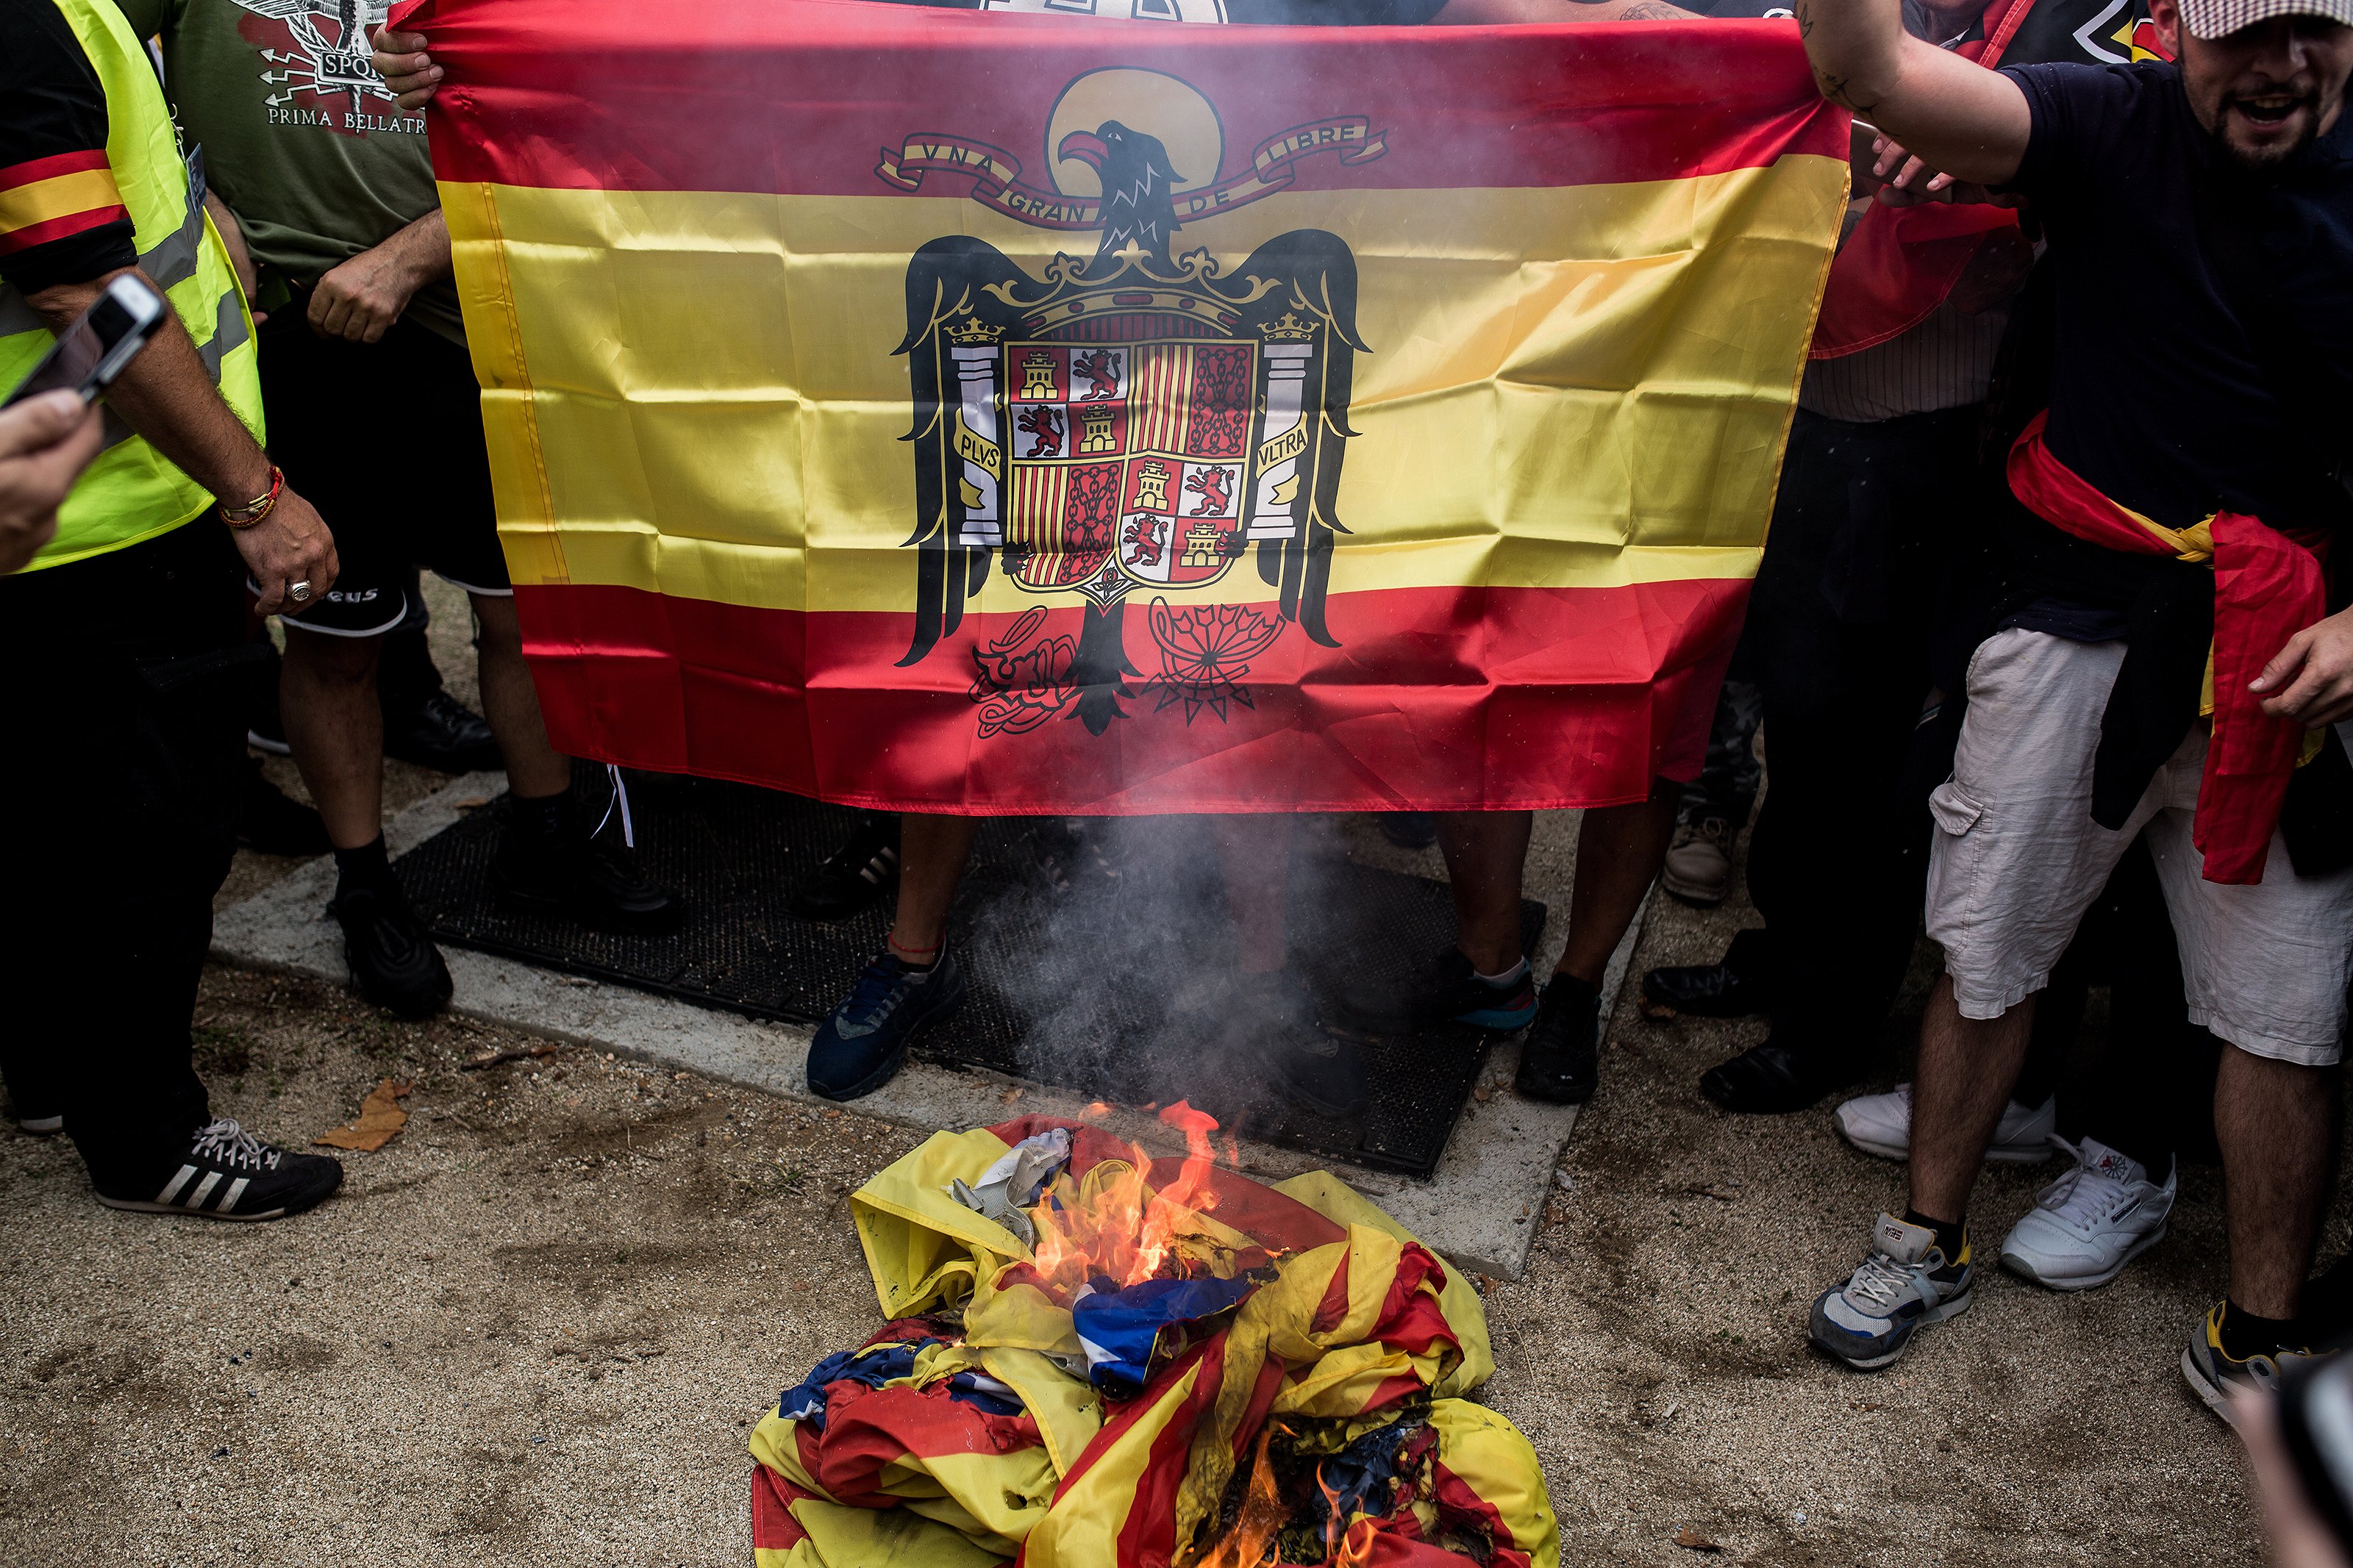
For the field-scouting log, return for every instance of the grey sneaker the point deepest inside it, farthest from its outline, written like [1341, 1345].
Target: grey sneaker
[2217, 1376]
[1903, 1286]
[1699, 863]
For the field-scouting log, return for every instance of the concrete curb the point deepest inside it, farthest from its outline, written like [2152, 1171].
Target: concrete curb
[1480, 1210]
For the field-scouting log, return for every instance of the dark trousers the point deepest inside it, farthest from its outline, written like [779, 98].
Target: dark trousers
[119, 691]
[1728, 783]
[1839, 638]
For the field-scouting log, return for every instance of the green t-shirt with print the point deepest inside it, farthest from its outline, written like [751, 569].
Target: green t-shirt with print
[300, 136]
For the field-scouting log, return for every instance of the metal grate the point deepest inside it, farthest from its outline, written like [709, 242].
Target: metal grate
[1094, 948]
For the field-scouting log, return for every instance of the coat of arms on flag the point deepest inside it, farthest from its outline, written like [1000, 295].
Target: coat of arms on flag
[970, 413]
[1138, 420]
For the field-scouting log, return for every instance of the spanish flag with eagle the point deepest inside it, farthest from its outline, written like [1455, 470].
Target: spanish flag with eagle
[952, 412]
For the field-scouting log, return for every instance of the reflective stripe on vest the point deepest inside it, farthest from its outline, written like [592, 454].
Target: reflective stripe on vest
[132, 492]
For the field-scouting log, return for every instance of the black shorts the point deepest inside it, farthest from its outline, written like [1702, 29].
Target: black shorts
[338, 413]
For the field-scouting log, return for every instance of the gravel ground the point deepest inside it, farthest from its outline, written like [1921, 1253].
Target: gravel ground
[535, 1328]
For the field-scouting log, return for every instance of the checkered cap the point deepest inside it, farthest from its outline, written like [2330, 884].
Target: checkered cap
[2214, 19]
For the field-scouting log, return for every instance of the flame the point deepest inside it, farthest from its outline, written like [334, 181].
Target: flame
[1332, 1521]
[1250, 1541]
[1356, 1546]
[1119, 1227]
[1347, 1543]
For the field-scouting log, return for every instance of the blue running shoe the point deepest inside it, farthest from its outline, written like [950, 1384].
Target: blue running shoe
[859, 1049]
[1447, 989]
[1903, 1286]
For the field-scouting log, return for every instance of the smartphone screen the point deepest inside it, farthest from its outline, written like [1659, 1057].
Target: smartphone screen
[90, 351]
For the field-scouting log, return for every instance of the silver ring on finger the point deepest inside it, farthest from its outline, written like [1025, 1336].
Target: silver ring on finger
[300, 592]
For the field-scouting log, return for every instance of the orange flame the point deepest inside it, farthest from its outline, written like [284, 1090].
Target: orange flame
[1347, 1543]
[1250, 1541]
[1357, 1547]
[1126, 1230]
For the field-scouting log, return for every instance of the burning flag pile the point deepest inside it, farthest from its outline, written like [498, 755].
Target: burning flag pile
[1093, 1357]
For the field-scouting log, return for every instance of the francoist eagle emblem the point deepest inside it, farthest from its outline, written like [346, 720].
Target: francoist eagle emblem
[1135, 423]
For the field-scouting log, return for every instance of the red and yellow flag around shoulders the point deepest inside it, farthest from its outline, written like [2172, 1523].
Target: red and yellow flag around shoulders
[948, 411]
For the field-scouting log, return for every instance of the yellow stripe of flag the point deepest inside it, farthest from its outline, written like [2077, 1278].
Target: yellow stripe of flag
[60, 195]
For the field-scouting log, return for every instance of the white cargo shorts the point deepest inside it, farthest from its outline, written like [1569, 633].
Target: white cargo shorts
[2017, 860]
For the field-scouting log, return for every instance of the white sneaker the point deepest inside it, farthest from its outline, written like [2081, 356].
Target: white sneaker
[1881, 1124]
[2087, 1226]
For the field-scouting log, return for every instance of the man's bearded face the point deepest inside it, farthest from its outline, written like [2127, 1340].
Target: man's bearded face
[2264, 92]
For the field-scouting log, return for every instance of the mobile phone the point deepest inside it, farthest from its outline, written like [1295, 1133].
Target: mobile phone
[93, 352]
[1859, 156]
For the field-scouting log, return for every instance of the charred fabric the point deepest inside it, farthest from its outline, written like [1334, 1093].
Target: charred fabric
[1095, 1357]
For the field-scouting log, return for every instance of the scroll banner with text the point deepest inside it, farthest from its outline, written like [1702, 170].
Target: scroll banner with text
[955, 412]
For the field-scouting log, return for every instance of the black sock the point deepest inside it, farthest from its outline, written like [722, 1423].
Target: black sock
[2245, 1334]
[541, 820]
[365, 867]
[1951, 1235]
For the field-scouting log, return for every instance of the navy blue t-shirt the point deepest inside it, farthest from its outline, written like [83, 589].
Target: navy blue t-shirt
[2156, 397]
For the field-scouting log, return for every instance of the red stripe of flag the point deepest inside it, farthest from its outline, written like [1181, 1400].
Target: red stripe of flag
[50, 168]
[1505, 698]
[16, 239]
[798, 97]
[774, 1528]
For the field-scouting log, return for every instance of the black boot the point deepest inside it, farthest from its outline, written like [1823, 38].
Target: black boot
[1560, 1056]
[1772, 1080]
[442, 733]
[422, 722]
[393, 959]
[1738, 986]
[550, 865]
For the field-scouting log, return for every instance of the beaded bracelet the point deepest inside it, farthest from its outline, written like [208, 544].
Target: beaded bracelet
[254, 510]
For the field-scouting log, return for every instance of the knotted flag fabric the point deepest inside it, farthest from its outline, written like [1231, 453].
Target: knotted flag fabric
[968, 1430]
[946, 411]
[1901, 263]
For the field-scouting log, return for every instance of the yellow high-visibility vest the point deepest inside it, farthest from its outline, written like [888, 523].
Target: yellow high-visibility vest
[133, 491]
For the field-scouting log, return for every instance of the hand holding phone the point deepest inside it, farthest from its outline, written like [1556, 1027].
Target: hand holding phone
[92, 353]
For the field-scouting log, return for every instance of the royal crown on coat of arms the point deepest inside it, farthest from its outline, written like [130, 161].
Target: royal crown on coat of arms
[1138, 420]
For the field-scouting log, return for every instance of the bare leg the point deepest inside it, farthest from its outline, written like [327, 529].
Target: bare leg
[535, 769]
[2276, 1125]
[1966, 1068]
[1254, 853]
[1484, 851]
[932, 853]
[1620, 849]
[327, 695]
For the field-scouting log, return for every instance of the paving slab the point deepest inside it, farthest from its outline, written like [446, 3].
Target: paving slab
[1479, 1209]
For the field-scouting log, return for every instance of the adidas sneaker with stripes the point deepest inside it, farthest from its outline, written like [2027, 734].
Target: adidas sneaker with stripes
[228, 1173]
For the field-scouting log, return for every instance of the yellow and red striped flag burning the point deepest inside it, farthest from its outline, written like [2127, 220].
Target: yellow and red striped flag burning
[959, 412]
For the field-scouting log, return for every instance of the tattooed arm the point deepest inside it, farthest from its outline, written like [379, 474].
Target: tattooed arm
[1952, 114]
[1474, 12]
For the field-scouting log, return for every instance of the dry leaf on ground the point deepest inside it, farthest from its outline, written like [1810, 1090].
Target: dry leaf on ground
[380, 1117]
[1691, 1540]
